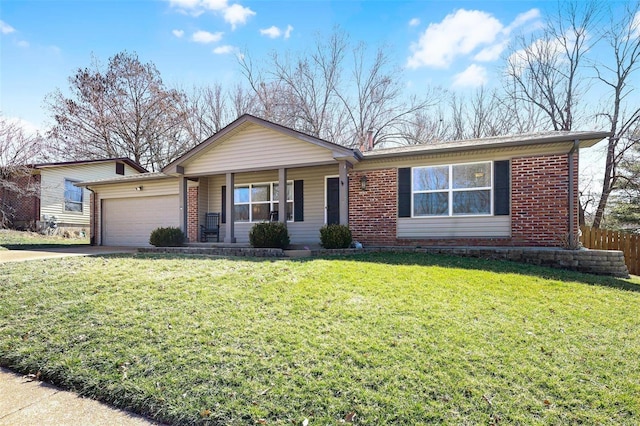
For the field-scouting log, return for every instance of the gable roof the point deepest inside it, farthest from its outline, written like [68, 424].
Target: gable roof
[124, 160]
[339, 151]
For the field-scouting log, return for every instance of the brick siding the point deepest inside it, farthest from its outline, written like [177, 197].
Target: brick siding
[539, 207]
[540, 200]
[373, 212]
[26, 208]
[192, 214]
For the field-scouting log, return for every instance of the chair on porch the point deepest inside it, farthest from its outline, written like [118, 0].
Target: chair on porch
[211, 227]
[273, 216]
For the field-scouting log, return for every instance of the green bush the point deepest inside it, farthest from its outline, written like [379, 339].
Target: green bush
[166, 237]
[335, 236]
[269, 234]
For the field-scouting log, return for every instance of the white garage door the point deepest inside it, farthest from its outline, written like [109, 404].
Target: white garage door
[129, 221]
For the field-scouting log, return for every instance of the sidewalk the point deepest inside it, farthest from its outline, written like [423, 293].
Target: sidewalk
[26, 402]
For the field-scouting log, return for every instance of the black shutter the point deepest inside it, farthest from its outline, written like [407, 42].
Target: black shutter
[298, 201]
[404, 192]
[501, 205]
[223, 213]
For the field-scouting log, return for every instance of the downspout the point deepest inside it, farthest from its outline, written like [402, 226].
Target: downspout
[92, 222]
[572, 232]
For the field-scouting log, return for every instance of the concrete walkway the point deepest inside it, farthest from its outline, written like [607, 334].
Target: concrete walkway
[24, 401]
[51, 253]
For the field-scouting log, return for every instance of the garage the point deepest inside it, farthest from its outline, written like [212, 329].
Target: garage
[129, 221]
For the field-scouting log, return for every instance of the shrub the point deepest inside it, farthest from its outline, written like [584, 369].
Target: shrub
[335, 236]
[269, 234]
[166, 237]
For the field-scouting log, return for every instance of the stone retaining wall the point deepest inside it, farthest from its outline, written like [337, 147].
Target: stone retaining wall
[217, 251]
[600, 262]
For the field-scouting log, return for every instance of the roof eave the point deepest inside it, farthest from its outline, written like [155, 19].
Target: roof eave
[586, 140]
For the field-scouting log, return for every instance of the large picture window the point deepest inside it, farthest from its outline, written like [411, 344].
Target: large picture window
[72, 197]
[452, 190]
[255, 202]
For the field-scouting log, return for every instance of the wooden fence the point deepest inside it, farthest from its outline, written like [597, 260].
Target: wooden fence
[604, 239]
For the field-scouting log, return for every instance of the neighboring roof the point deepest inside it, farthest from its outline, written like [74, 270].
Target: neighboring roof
[124, 160]
[124, 179]
[339, 150]
[586, 139]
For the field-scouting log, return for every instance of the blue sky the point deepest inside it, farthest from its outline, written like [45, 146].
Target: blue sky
[455, 44]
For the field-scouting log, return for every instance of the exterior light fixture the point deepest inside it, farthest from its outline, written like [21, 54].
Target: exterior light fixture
[139, 188]
[363, 182]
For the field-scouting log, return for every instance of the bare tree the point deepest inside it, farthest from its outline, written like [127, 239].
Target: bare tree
[545, 70]
[348, 99]
[622, 111]
[18, 151]
[121, 111]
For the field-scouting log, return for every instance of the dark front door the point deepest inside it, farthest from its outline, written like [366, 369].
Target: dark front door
[333, 201]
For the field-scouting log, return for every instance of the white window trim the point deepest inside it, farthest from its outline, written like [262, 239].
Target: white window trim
[64, 198]
[450, 190]
[271, 202]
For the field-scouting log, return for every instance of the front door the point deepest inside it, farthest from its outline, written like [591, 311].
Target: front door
[333, 200]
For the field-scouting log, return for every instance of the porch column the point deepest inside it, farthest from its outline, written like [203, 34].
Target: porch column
[182, 196]
[229, 236]
[282, 196]
[344, 192]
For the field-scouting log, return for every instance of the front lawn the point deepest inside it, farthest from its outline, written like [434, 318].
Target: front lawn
[372, 339]
[24, 240]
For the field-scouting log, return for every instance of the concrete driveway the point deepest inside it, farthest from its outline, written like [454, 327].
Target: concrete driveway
[51, 253]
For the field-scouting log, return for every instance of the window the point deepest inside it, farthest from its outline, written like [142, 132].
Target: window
[255, 202]
[72, 197]
[452, 190]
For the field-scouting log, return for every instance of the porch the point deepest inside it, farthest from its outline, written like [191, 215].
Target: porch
[314, 196]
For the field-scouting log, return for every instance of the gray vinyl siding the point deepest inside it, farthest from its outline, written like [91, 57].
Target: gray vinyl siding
[454, 227]
[52, 189]
[306, 232]
[257, 148]
[150, 188]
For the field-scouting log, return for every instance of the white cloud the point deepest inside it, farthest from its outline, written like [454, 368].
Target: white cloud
[234, 14]
[178, 33]
[23, 43]
[288, 31]
[491, 53]
[237, 14]
[223, 50]
[473, 76]
[206, 37]
[458, 34]
[215, 4]
[271, 32]
[461, 33]
[275, 32]
[6, 28]
[522, 19]
[414, 22]
[635, 26]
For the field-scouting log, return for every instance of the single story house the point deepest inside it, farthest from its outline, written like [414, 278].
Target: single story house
[499, 191]
[58, 200]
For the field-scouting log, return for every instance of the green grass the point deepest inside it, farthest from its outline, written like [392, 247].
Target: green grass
[17, 240]
[394, 338]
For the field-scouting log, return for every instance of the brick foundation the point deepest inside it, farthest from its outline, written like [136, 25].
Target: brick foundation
[192, 214]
